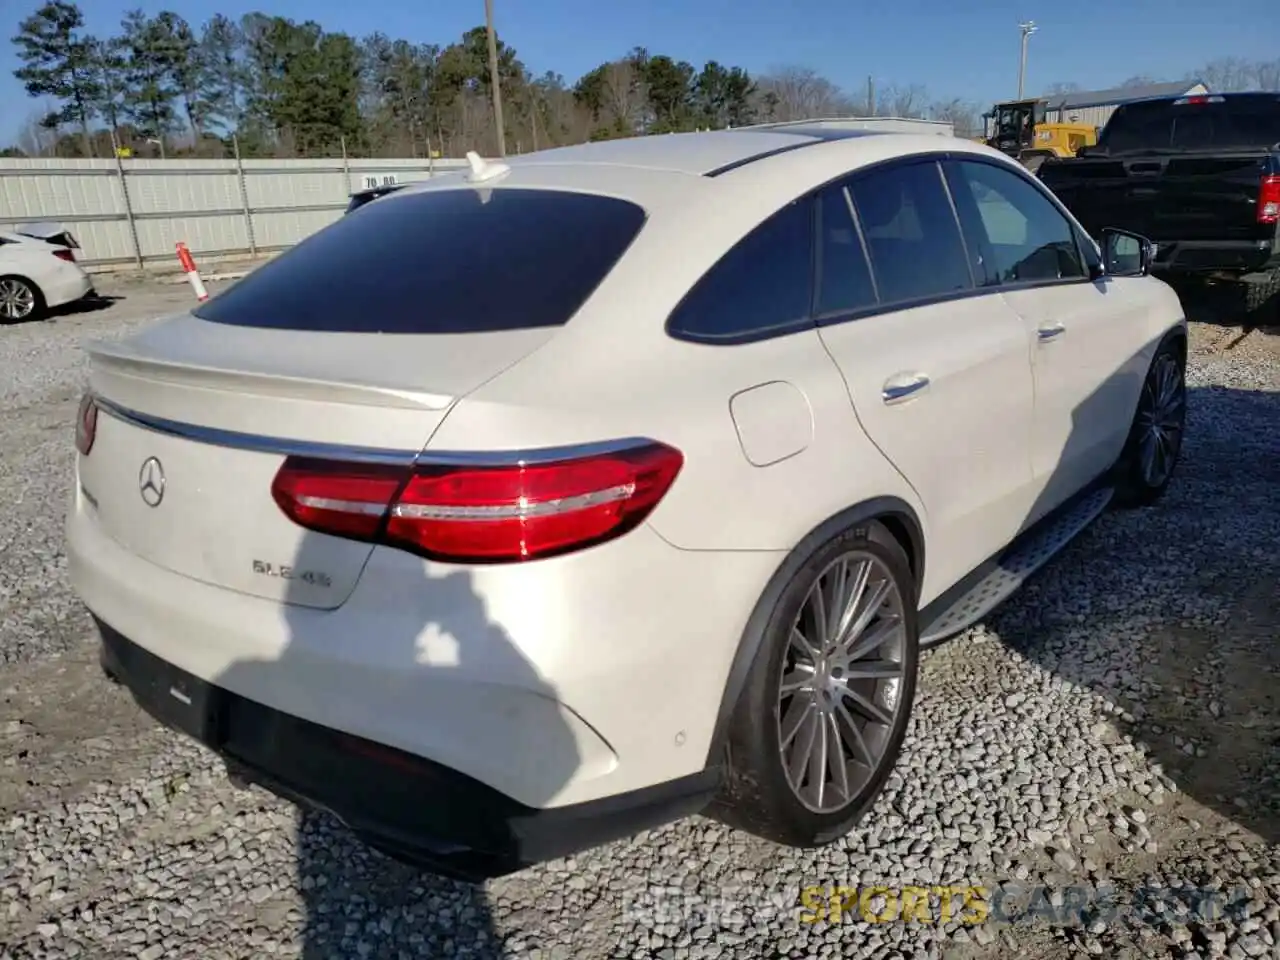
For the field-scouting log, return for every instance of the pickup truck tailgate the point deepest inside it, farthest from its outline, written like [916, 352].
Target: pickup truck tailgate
[1183, 197]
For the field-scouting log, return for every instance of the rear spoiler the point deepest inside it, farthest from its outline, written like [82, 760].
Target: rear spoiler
[125, 359]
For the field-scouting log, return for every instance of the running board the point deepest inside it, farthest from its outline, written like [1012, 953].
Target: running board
[994, 582]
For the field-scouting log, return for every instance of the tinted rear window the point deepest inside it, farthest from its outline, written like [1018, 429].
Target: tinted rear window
[1234, 123]
[447, 261]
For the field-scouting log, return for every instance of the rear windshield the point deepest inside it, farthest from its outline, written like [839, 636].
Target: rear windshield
[1234, 123]
[443, 261]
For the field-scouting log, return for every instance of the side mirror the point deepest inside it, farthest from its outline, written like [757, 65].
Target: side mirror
[1126, 254]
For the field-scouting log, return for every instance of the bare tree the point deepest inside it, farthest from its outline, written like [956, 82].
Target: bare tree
[35, 139]
[964, 116]
[1269, 76]
[625, 93]
[1233, 74]
[798, 93]
[902, 101]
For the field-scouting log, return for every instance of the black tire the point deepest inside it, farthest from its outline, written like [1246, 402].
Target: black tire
[757, 796]
[1137, 484]
[37, 299]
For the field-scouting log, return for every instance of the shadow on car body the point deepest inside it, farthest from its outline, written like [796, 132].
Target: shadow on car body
[355, 897]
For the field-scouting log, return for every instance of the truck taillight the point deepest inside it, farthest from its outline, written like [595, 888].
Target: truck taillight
[1269, 200]
[481, 513]
[86, 424]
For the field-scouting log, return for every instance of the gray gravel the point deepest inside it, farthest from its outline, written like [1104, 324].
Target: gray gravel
[1115, 725]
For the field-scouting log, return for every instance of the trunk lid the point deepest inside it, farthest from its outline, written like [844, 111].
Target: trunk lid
[196, 418]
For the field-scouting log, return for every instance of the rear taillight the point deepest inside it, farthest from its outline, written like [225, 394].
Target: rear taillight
[481, 513]
[1269, 200]
[62, 253]
[86, 424]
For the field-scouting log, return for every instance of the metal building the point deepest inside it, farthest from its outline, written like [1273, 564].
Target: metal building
[1094, 107]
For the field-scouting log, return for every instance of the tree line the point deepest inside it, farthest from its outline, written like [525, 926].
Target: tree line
[272, 86]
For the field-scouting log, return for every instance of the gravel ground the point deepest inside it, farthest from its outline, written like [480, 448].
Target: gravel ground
[1112, 735]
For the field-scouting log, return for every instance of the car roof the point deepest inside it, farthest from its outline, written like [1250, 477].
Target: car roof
[708, 153]
[763, 165]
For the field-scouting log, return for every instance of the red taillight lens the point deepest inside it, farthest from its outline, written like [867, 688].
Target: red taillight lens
[86, 424]
[481, 514]
[62, 253]
[1269, 200]
[346, 500]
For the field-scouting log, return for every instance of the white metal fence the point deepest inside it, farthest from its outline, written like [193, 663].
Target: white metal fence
[129, 214]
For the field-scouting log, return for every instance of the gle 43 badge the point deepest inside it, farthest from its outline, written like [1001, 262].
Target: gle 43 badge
[286, 572]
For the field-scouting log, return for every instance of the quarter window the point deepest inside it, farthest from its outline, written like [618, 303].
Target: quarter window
[911, 232]
[762, 285]
[1024, 238]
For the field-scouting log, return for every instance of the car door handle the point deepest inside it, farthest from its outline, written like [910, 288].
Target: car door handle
[1050, 332]
[898, 389]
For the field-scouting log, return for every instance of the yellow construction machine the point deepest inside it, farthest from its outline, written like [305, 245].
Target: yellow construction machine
[1020, 129]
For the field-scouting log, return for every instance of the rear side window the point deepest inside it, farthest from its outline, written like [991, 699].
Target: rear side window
[761, 286]
[844, 276]
[443, 261]
[911, 232]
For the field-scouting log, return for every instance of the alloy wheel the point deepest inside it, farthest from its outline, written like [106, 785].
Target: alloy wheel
[839, 693]
[1161, 420]
[17, 300]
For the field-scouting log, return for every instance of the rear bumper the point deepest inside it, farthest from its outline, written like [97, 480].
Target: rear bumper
[414, 810]
[67, 285]
[554, 683]
[1207, 256]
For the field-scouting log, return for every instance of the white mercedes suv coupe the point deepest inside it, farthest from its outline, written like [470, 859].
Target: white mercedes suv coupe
[551, 500]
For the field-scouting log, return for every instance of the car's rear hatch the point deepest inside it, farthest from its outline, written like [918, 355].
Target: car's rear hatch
[196, 419]
[338, 349]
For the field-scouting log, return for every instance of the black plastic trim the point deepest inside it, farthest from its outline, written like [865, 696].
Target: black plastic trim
[283, 446]
[745, 161]
[412, 809]
[878, 508]
[814, 135]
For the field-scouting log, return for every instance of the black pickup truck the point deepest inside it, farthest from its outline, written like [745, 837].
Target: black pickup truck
[1199, 176]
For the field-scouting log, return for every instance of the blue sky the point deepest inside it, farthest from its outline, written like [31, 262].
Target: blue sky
[956, 49]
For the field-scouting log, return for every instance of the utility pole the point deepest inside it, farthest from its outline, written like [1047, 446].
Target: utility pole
[1028, 28]
[493, 78]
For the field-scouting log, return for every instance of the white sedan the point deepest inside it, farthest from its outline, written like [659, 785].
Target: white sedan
[551, 501]
[37, 276]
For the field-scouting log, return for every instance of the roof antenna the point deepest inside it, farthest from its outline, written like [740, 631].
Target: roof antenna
[482, 170]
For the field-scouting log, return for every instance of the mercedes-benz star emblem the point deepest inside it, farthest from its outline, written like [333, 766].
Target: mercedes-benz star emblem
[151, 482]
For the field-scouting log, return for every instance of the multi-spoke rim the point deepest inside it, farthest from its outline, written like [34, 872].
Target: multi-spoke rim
[1161, 420]
[17, 300]
[839, 693]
